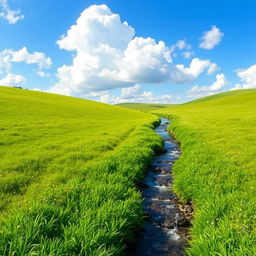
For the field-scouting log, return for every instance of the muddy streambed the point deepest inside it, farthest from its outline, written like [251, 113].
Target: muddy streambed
[165, 231]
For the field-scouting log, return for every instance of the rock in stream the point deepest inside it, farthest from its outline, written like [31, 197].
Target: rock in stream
[165, 231]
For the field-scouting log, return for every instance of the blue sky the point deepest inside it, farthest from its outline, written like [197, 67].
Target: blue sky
[121, 62]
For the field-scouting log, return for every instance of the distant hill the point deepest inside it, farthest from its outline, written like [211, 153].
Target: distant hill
[144, 106]
[222, 95]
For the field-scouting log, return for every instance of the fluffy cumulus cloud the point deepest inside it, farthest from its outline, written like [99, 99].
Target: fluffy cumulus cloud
[8, 56]
[248, 78]
[201, 91]
[12, 80]
[196, 67]
[211, 38]
[108, 55]
[12, 16]
[136, 94]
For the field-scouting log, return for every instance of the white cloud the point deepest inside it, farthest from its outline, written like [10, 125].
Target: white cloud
[38, 58]
[129, 92]
[187, 54]
[97, 26]
[42, 74]
[196, 67]
[211, 38]
[182, 45]
[212, 68]
[8, 56]
[12, 80]
[200, 91]
[107, 55]
[248, 78]
[5, 61]
[12, 16]
[146, 61]
[136, 94]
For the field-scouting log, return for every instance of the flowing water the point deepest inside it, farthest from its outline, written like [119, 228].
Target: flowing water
[165, 231]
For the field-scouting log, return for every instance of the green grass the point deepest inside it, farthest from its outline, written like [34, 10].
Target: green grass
[217, 171]
[69, 169]
[68, 173]
[145, 107]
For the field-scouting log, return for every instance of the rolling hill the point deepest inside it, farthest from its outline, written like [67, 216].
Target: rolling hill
[217, 170]
[69, 169]
[68, 172]
[146, 107]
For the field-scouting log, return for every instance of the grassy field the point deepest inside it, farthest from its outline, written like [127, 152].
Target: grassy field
[217, 171]
[68, 173]
[69, 168]
[145, 107]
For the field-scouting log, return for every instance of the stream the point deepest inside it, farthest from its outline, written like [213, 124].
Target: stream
[165, 231]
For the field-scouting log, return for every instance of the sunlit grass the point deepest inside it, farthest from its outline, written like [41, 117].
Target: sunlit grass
[69, 168]
[217, 171]
[68, 173]
[146, 107]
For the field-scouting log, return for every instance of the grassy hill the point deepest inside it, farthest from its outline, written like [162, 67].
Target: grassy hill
[69, 168]
[68, 172]
[146, 107]
[221, 95]
[217, 170]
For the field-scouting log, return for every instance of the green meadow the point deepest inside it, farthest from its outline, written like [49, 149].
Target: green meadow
[146, 107]
[70, 168]
[217, 171]
[68, 173]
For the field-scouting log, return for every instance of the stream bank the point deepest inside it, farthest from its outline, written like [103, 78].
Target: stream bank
[165, 231]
